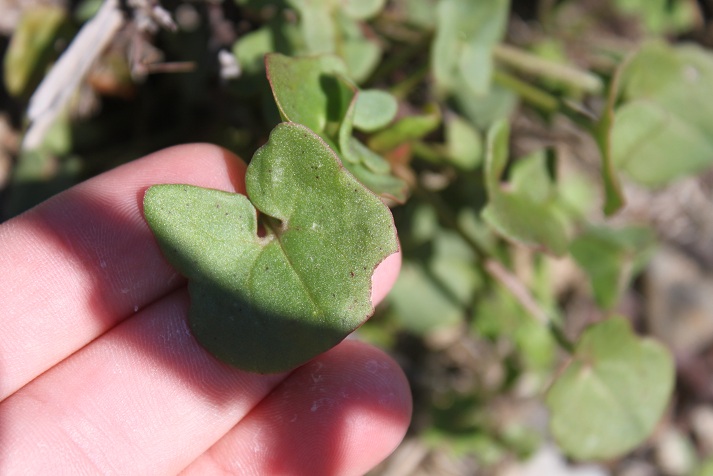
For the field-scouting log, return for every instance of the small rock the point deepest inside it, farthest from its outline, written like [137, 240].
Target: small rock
[701, 421]
[680, 304]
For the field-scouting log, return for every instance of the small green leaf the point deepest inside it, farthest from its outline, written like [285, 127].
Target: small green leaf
[660, 16]
[374, 109]
[31, 47]
[436, 294]
[498, 315]
[361, 52]
[311, 90]
[381, 183]
[611, 258]
[362, 56]
[522, 215]
[371, 160]
[251, 48]
[466, 32]
[464, 143]
[476, 66]
[646, 136]
[405, 130]
[484, 111]
[612, 394]
[662, 130]
[269, 304]
[420, 304]
[362, 9]
[317, 25]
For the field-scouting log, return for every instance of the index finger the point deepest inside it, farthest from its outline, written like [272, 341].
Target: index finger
[83, 261]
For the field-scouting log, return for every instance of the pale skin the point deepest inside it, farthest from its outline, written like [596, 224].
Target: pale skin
[100, 374]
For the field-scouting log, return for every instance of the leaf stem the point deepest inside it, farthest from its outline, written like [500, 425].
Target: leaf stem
[402, 89]
[531, 94]
[449, 219]
[546, 102]
[498, 271]
[529, 63]
[526, 300]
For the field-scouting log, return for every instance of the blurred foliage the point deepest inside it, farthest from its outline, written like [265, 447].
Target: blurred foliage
[452, 111]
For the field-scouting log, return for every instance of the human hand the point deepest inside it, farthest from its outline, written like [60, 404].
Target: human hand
[100, 374]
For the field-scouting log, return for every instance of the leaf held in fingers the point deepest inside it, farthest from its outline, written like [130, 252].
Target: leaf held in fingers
[612, 394]
[270, 303]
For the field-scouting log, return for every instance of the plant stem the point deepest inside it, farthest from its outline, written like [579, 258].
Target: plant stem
[498, 271]
[449, 219]
[402, 89]
[546, 102]
[542, 100]
[527, 62]
[526, 300]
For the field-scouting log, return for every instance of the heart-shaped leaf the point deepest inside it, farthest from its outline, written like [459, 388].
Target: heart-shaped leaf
[663, 130]
[612, 394]
[270, 303]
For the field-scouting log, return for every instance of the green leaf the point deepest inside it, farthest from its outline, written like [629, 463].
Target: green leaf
[612, 394]
[663, 131]
[31, 47]
[476, 66]
[269, 304]
[525, 215]
[611, 258]
[464, 143]
[498, 315]
[405, 130]
[435, 294]
[361, 56]
[420, 305]
[360, 52]
[661, 16]
[379, 181]
[484, 110]
[311, 90]
[466, 33]
[374, 109]
[251, 48]
[362, 9]
[317, 25]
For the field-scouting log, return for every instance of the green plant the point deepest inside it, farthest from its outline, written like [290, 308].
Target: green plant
[422, 104]
[269, 303]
